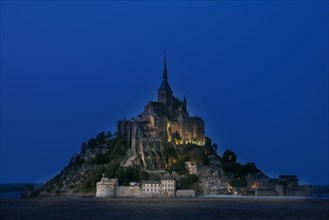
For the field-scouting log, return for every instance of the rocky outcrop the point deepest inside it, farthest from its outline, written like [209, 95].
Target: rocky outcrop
[67, 181]
[151, 152]
[153, 157]
[212, 180]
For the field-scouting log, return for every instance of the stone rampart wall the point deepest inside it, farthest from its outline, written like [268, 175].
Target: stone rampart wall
[296, 192]
[105, 190]
[127, 191]
[264, 192]
[185, 193]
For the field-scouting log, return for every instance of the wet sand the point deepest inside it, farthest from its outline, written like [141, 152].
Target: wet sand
[176, 208]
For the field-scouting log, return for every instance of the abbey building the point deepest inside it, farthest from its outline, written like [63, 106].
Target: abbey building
[166, 119]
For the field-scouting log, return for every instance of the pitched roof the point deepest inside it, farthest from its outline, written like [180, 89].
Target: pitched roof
[151, 182]
[196, 118]
[158, 107]
[165, 86]
[167, 177]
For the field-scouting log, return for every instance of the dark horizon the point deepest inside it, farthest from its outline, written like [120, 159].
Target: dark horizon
[256, 72]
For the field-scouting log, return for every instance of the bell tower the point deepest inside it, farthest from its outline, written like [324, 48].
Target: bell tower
[164, 92]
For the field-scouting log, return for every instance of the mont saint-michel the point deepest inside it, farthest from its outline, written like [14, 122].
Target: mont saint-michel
[163, 152]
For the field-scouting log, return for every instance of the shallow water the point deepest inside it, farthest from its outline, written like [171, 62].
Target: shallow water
[175, 208]
[10, 195]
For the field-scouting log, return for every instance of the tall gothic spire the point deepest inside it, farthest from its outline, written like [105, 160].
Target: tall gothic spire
[165, 75]
[165, 92]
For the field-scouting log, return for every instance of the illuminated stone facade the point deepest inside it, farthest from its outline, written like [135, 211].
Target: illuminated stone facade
[166, 119]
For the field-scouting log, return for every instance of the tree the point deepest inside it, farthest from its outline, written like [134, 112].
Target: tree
[143, 175]
[119, 149]
[132, 174]
[170, 155]
[229, 157]
[170, 152]
[109, 135]
[233, 167]
[214, 147]
[83, 147]
[101, 138]
[101, 158]
[208, 141]
[92, 143]
[197, 156]
[188, 182]
[249, 168]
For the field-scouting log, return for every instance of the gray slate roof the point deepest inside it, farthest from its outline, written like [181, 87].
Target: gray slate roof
[165, 86]
[150, 182]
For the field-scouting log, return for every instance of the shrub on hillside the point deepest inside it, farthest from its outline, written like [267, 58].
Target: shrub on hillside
[229, 157]
[188, 182]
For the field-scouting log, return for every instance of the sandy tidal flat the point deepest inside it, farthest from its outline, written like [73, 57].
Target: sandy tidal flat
[176, 208]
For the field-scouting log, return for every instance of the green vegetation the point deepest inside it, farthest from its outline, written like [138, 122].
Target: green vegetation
[109, 151]
[101, 159]
[230, 165]
[125, 175]
[118, 151]
[92, 143]
[249, 168]
[188, 182]
[109, 162]
[101, 138]
[176, 157]
[233, 167]
[89, 184]
[210, 148]
[78, 161]
[228, 157]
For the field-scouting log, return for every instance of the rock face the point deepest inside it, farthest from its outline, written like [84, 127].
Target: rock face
[212, 180]
[65, 182]
[113, 157]
[152, 155]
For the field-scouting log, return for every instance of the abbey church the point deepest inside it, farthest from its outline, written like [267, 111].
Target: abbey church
[166, 119]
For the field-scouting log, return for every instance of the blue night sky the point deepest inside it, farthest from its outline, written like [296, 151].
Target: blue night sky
[256, 72]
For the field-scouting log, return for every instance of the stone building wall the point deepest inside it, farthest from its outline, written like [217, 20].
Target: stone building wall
[264, 192]
[106, 187]
[185, 193]
[168, 187]
[128, 191]
[191, 130]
